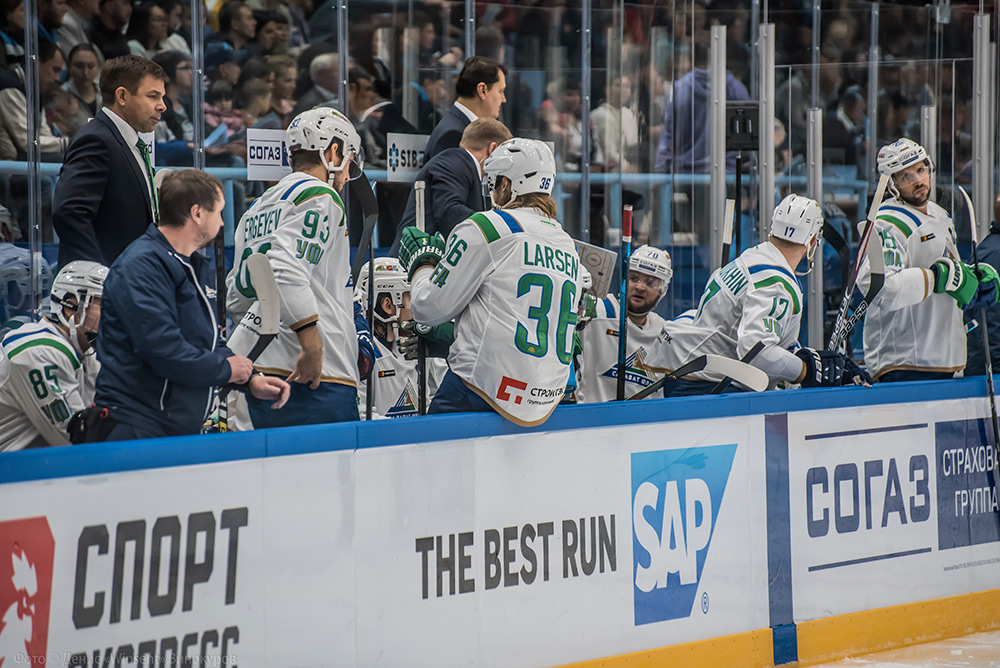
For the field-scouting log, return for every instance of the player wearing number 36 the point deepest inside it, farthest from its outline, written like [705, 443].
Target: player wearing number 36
[509, 277]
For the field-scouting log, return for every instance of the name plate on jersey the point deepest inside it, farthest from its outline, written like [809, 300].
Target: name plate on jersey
[600, 262]
[405, 155]
[267, 159]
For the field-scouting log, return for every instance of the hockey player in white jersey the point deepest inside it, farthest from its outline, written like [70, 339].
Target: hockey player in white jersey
[395, 377]
[323, 347]
[649, 277]
[756, 298]
[509, 276]
[913, 328]
[51, 363]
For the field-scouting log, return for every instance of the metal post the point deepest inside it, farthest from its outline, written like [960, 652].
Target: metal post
[34, 121]
[766, 127]
[198, 89]
[585, 123]
[817, 20]
[411, 42]
[814, 186]
[873, 57]
[717, 141]
[754, 33]
[929, 138]
[982, 124]
[342, 56]
[470, 28]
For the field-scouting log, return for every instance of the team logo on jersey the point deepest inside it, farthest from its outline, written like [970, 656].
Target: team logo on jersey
[676, 496]
[634, 373]
[507, 384]
[405, 405]
[27, 552]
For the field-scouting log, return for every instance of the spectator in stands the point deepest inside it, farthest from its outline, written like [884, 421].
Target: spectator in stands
[283, 87]
[107, 28]
[221, 64]
[256, 110]
[562, 124]
[13, 103]
[429, 48]
[73, 30]
[219, 109]
[160, 348]
[50, 18]
[480, 90]
[267, 40]
[237, 25]
[616, 128]
[174, 10]
[323, 73]
[360, 93]
[844, 131]
[12, 33]
[147, 30]
[82, 82]
[175, 131]
[104, 197]
[893, 116]
[518, 114]
[62, 111]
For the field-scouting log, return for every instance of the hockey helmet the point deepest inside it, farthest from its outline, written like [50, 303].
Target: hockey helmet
[316, 129]
[528, 163]
[797, 219]
[389, 277]
[81, 279]
[653, 262]
[586, 279]
[899, 155]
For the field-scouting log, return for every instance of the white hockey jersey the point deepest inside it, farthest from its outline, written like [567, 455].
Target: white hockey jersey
[300, 224]
[598, 374]
[756, 297]
[395, 381]
[510, 279]
[48, 382]
[908, 326]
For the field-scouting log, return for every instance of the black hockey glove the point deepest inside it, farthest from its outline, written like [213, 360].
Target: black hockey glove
[855, 375]
[824, 368]
[437, 339]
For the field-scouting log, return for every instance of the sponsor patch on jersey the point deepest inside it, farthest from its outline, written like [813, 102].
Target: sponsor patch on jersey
[927, 237]
[386, 373]
[511, 389]
[406, 404]
[634, 373]
[611, 332]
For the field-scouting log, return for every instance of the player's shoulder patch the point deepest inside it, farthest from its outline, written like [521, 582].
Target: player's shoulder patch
[16, 343]
[495, 224]
[303, 194]
[898, 217]
[766, 275]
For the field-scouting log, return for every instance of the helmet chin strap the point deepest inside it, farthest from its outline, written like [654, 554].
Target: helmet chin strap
[811, 256]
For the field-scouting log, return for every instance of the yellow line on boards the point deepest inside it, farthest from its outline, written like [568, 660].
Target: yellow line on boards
[742, 650]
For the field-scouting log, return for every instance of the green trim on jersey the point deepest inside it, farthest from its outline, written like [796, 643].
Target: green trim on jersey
[896, 222]
[485, 226]
[62, 347]
[771, 280]
[317, 191]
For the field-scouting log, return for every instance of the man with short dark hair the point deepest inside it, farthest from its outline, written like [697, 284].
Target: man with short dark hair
[75, 22]
[480, 91]
[158, 335]
[105, 198]
[237, 26]
[107, 29]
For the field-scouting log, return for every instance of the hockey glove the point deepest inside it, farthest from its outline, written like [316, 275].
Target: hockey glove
[957, 279]
[366, 354]
[418, 249]
[587, 308]
[989, 287]
[437, 339]
[855, 375]
[824, 368]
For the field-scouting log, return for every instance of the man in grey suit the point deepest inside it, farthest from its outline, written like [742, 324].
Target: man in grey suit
[480, 91]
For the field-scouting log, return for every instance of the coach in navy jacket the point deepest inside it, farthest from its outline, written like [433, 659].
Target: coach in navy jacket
[453, 181]
[158, 342]
[103, 198]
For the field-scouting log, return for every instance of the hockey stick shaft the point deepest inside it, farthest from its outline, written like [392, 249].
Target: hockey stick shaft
[418, 191]
[746, 359]
[727, 231]
[623, 302]
[697, 364]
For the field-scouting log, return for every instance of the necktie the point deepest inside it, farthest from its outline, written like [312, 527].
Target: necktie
[144, 149]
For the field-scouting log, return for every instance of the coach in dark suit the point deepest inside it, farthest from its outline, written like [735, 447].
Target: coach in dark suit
[105, 199]
[480, 91]
[453, 180]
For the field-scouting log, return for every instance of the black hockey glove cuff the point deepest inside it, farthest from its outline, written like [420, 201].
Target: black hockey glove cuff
[824, 368]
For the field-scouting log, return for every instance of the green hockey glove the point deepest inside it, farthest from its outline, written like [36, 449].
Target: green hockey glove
[989, 286]
[437, 339]
[957, 279]
[417, 249]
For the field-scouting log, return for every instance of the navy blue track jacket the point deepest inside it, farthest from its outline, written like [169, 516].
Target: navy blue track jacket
[158, 340]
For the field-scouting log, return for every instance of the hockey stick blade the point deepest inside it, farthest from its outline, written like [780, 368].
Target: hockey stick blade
[746, 359]
[744, 374]
[262, 279]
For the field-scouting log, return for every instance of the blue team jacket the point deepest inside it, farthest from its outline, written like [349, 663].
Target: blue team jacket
[158, 340]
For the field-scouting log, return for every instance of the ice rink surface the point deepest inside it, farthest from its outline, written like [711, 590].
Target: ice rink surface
[981, 650]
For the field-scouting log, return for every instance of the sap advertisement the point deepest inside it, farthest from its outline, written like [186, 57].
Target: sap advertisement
[891, 505]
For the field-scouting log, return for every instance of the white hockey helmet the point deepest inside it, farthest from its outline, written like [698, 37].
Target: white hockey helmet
[528, 163]
[316, 129]
[389, 277]
[899, 155]
[586, 280]
[797, 219]
[653, 262]
[81, 279]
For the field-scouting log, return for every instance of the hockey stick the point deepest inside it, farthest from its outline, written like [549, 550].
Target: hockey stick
[744, 374]
[746, 359]
[418, 190]
[986, 338]
[264, 323]
[842, 325]
[727, 231]
[626, 249]
[361, 189]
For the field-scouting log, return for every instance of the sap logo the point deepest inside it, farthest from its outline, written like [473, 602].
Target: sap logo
[676, 496]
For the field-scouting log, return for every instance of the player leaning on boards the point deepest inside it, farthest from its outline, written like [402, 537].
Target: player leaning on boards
[509, 278]
[52, 365]
[913, 328]
[649, 277]
[757, 298]
[395, 375]
[324, 345]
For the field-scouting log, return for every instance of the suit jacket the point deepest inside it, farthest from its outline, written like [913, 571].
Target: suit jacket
[453, 192]
[447, 133]
[101, 202]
